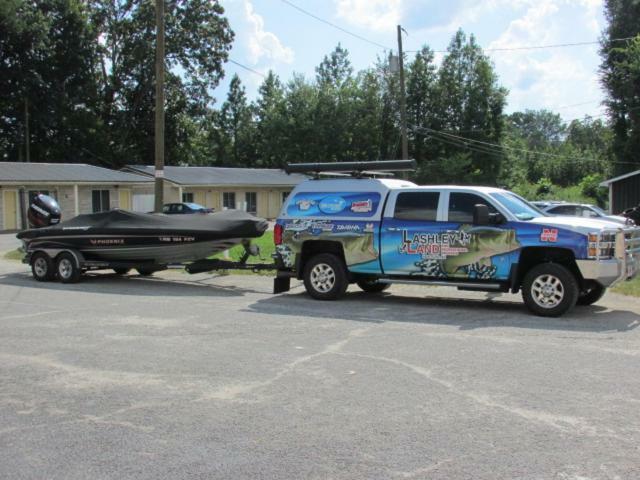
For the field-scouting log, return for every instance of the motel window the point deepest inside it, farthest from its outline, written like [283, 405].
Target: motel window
[229, 200]
[252, 202]
[187, 197]
[100, 200]
[33, 193]
[420, 206]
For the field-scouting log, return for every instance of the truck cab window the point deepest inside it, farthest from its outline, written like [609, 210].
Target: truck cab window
[461, 206]
[421, 206]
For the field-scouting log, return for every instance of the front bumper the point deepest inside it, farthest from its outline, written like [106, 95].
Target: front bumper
[624, 265]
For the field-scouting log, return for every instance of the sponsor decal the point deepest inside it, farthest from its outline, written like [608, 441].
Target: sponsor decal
[368, 228]
[435, 245]
[549, 235]
[332, 204]
[362, 206]
[304, 205]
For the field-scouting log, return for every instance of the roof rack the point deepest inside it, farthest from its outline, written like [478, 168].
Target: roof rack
[355, 169]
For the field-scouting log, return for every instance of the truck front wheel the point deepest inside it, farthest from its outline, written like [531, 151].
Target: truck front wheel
[325, 277]
[550, 290]
[592, 294]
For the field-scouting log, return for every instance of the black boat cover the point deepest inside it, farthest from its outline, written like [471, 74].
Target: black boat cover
[225, 224]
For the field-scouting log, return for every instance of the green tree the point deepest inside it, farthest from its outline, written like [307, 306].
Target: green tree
[237, 122]
[471, 107]
[46, 73]
[621, 78]
[270, 123]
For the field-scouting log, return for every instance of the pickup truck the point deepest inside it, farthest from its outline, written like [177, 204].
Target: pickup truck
[376, 232]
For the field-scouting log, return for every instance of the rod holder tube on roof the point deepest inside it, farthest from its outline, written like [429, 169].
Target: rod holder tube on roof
[354, 168]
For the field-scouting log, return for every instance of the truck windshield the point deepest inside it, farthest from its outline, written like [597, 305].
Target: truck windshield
[522, 209]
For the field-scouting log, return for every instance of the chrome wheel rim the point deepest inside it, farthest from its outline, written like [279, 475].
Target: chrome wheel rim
[41, 267]
[65, 268]
[323, 278]
[547, 291]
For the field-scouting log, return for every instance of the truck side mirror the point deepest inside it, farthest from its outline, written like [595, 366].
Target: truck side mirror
[496, 218]
[481, 214]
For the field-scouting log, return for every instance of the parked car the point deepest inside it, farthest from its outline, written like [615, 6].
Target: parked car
[585, 210]
[185, 207]
[543, 204]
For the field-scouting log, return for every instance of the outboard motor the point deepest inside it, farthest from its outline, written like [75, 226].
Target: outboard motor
[44, 211]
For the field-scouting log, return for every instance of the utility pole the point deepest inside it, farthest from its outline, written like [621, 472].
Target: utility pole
[27, 133]
[159, 124]
[403, 102]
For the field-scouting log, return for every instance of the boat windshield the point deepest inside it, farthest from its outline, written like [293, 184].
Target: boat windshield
[522, 209]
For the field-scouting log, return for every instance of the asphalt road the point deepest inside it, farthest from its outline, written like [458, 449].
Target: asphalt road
[215, 378]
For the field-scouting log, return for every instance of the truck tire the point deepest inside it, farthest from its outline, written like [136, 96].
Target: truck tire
[42, 267]
[67, 268]
[592, 294]
[145, 272]
[325, 277]
[550, 290]
[371, 285]
[121, 271]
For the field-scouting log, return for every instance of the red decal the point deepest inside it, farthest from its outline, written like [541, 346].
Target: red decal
[549, 235]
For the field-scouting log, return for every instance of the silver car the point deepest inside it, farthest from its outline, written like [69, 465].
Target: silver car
[584, 210]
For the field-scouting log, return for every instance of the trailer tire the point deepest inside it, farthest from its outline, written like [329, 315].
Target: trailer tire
[42, 267]
[67, 268]
[372, 285]
[325, 277]
[550, 290]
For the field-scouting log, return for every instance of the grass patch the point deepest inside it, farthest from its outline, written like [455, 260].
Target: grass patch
[267, 247]
[13, 255]
[630, 287]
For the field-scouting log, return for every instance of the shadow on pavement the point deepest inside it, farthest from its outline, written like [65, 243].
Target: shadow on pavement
[112, 284]
[466, 313]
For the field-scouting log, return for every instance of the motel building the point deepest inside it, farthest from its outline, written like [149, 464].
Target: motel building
[81, 188]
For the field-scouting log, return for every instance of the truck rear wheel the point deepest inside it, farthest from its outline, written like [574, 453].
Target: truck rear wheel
[592, 294]
[325, 277]
[371, 285]
[42, 267]
[550, 290]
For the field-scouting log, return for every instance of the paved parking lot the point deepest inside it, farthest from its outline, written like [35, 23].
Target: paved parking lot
[213, 377]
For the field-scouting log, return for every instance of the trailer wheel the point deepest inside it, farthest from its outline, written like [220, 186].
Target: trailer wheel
[371, 285]
[42, 267]
[325, 277]
[550, 290]
[594, 293]
[121, 271]
[67, 268]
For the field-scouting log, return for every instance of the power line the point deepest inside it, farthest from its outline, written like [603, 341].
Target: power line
[247, 68]
[537, 47]
[360, 37]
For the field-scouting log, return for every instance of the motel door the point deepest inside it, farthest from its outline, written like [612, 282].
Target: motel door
[124, 199]
[10, 209]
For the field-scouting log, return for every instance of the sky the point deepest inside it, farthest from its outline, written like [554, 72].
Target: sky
[271, 34]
